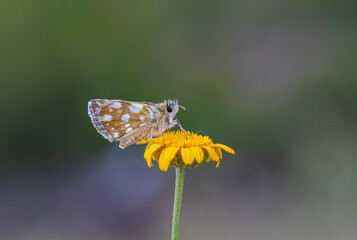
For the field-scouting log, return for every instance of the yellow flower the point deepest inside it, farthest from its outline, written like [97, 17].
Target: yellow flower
[181, 150]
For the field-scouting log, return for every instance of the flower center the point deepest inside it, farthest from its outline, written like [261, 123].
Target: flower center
[181, 139]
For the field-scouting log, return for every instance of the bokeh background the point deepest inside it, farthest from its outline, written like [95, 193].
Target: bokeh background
[274, 80]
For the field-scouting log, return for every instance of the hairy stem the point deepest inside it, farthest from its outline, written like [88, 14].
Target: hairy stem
[180, 175]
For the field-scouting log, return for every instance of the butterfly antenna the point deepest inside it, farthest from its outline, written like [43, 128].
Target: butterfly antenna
[183, 108]
[202, 132]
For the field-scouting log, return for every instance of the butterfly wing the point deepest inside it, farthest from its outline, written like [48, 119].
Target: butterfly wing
[124, 121]
[136, 135]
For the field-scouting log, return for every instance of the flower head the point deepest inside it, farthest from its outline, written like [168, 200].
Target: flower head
[181, 150]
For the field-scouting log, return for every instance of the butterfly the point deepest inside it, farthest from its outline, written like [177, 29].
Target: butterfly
[131, 122]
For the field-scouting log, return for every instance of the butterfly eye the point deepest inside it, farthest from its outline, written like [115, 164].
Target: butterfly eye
[168, 108]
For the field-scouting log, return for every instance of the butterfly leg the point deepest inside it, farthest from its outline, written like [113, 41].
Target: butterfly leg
[150, 139]
[149, 142]
[179, 124]
[163, 137]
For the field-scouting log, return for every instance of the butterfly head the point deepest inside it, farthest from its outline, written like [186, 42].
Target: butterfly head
[172, 108]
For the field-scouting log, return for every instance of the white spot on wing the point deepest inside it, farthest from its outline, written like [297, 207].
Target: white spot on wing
[113, 129]
[127, 125]
[107, 118]
[151, 113]
[134, 109]
[143, 124]
[116, 135]
[129, 130]
[142, 118]
[125, 117]
[116, 105]
[138, 106]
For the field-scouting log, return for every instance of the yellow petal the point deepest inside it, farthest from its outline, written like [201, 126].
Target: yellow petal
[218, 151]
[187, 155]
[217, 165]
[166, 156]
[144, 141]
[197, 153]
[224, 147]
[212, 153]
[154, 156]
[149, 151]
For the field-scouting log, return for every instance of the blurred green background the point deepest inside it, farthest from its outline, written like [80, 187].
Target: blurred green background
[274, 80]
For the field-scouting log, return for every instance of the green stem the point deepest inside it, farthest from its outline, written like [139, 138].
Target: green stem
[180, 175]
